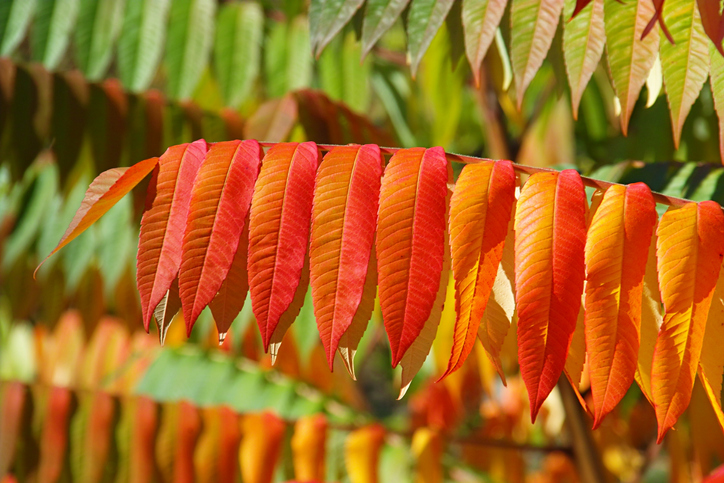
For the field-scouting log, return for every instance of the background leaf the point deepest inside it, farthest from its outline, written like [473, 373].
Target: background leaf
[423, 22]
[99, 23]
[52, 28]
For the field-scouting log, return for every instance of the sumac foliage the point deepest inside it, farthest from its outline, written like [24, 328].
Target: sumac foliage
[303, 216]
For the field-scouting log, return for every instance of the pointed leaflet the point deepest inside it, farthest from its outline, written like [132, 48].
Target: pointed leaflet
[98, 25]
[326, 18]
[166, 311]
[713, 21]
[15, 15]
[533, 24]
[689, 256]
[423, 22]
[583, 41]
[141, 42]
[410, 242]
[164, 223]
[380, 15]
[711, 363]
[617, 246]
[102, 194]
[344, 215]
[716, 74]
[651, 319]
[480, 210]
[550, 232]
[281, 211]
[52, 28]
[686, 62]
[629, 57]
[480, 21]
[220, 201]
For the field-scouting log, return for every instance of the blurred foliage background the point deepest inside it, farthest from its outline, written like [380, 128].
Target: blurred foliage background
[87, 85]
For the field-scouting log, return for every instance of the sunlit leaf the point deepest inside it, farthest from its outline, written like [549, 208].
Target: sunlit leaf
[362, 453]
[97, 28]
[423, 22]
[427, 446]
[15, 15]
[480, 22]
[261, 446]
[52, 29]
[309, 448]
[711, 364]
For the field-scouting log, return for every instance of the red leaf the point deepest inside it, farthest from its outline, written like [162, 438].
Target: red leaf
[164, 223]
[713, 20]
[281, 211]
[220, 201]
[344, 215]
[580, 5]
[411, 242]
[657, 17]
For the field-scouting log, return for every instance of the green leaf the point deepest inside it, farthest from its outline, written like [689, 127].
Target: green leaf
[379, 17]
[326, 18]
[629, 57]
[583, 39]
[717, 91]
[237, 50]
[341, 74]
[480, 22]
[425, 19]
[15, 16]
[52, 26]
[190, 35]
[685, 64]
[140, 44]
[299, 58]
[533, 26]
[98, 26]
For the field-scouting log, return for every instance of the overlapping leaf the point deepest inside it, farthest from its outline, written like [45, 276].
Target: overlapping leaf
[326, 18]
[51, 31]
[410, 242]
[689, 250]
[480, 21]
[281, 211]
[164, 223]
[711, 364]
[220, 201]
[379, 17]
[617, 246]
[550, 232]
[423, 22]
[344, 216]
[480, 210]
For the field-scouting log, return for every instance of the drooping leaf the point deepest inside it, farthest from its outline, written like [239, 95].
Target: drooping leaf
[423, 22]
[52, 28]
[237, 50]
[261, 446]
[711, 364]
[281, 212]
[713, 22]
[166, 311]
[480, 22]
[141, 41]
[480, 211]
[629, 57]
[651, 319]
[308, 448]
[533, 24]
[685, 63]
[164, 223]
[99, 23]
[550, 232]
[220, 201]
[583, 39]
[716, 74]
[617, 247]
[380, 15]
[689, 251]
[15, 15]
[326, 19]
[344, 215]
[410, 242]
[362, 453]
[103, 193]
[188, 44]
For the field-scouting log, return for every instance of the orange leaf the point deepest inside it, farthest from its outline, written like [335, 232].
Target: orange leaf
[480, 210]
[261, 446]
[411, 242]
[711, 364]
[102, 194]
[550, 232]
[689, 253]
[344, 215]
[281, 211]
[617, 247]
[55, 433]
[362, 453]
[427, 446]
[651, 319]
[142, 463]
[220, 201]
[164, 222]
[308, 448]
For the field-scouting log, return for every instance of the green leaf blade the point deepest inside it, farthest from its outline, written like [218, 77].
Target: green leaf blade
[15, 16]
[380, 15]
[326, 19]
[480, 21]
[96, 32]
[52, 27]
[425, 19]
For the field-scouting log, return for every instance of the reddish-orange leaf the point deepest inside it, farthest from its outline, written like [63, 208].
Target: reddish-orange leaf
[281, 211]
[480, 210]
[14, 412]
[98, 435]
[309, 448]
[689, 253]
[55, 433]
[261, 446]
[711, 364]
[344, 215]
[550, 233]
[220, 201]
[102, 194]
[617, 247]
[713, 20]
[189, 427]
[410, 242]
[164, 222]
[228, 447]
[142, 463]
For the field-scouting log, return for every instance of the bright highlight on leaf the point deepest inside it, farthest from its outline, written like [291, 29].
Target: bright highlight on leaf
[550, 232]
[617, 246]
[690, 249]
